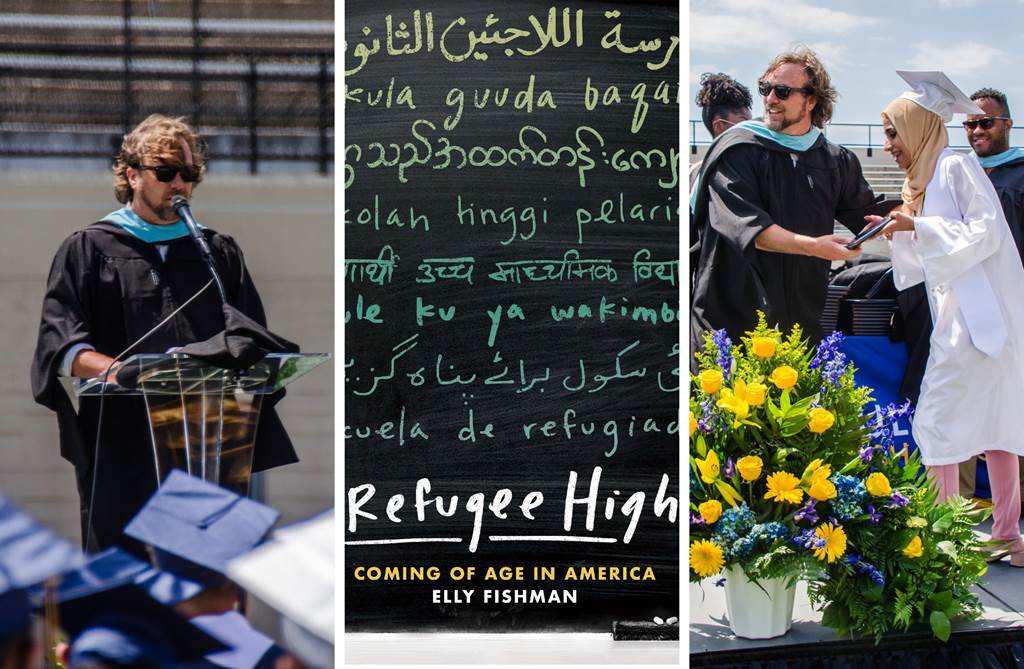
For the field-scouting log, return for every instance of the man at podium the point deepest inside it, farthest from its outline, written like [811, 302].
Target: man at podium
[136, 282]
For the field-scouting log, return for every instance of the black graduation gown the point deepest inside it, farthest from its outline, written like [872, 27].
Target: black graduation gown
[1008, 181]
[749, 183]
[108, 288]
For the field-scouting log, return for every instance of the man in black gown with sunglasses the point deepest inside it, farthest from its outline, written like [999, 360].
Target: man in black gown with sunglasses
[109, 285]
[766, 201]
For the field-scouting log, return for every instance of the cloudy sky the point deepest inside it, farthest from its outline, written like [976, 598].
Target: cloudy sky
[976, 42]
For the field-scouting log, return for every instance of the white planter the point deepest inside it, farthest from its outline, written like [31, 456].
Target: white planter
[754, 614]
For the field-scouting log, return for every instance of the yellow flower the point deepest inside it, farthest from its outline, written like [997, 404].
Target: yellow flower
[756, 393]
[782, 487]
[878, 485]
[734, 404]
[749, 467]
[763, 347]
[822, 489]
[693, 424]
[783, 377]
[706, 558]
[835, 542]
[816, 471]
[709, 467]
[914, 549]
[814, 466]
[710, 381]
[821, 420]
[710, 511]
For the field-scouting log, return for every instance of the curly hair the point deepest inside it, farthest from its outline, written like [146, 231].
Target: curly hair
[817, 79]
[719, 95]
[998, 96]
[158, 137]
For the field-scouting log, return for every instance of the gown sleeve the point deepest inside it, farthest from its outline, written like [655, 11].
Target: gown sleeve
[273, 445]
[242, 293]
[856, 198]
[735, 210]
[65, 318]
[907, 268]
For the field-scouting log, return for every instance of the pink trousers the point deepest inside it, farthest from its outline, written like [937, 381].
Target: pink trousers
[1004, 480]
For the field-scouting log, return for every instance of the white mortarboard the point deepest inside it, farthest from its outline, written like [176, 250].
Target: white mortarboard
[935, 92]
[294, 574]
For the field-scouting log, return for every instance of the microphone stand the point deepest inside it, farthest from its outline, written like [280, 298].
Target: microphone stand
[181, 207]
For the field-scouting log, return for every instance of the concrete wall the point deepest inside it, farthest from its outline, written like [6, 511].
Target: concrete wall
[285, 227]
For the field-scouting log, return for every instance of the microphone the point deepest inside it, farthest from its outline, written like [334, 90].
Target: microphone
[182, 209]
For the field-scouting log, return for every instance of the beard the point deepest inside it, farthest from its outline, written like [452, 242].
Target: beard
[161, 208]
[991, 147]
[779, 123]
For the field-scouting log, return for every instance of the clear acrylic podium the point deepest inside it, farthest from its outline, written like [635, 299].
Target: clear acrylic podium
[202, 418]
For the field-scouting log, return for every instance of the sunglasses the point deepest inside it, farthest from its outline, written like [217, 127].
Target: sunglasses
[986, 123]
[166, 173]
[782, 92]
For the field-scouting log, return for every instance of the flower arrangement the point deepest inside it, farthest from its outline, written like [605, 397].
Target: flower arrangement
[790, 479]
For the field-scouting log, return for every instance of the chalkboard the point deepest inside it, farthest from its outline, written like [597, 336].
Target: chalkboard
[512, 286]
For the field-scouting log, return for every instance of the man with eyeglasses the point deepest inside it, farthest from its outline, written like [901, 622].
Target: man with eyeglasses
[110, 286]
[765, 203]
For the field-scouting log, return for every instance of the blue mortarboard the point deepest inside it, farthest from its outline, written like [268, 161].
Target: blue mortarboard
[29, 554]
[162, 586]
[250, 648]
[125, 643]
[104, 612]
[196, 528]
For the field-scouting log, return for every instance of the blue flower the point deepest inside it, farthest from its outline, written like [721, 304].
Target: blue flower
[830, 360]
[709, 418]
[827, 349]
[720, 583]
[696, 520]
[857, 562]
[850, 492]
[730, 468]
[806, 512]
[734, 523]
[872, 516]
[739, 536]
[809, 540]
[724, 346]
[884, 425]
[898, 501]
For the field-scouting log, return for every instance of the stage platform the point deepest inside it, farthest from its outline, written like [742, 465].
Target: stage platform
[995, 640]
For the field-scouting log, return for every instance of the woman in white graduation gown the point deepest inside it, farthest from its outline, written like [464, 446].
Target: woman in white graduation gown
[950, 233]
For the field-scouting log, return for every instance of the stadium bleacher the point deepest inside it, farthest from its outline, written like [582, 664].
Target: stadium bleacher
[256, 76]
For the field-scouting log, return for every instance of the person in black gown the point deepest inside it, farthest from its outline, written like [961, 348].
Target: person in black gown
[765, 203]
[108, 286]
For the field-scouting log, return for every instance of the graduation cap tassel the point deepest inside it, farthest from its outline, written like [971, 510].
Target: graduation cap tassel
[51, 622]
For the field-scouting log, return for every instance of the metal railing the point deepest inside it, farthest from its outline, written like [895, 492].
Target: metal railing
[251, 103]
[866, 136]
